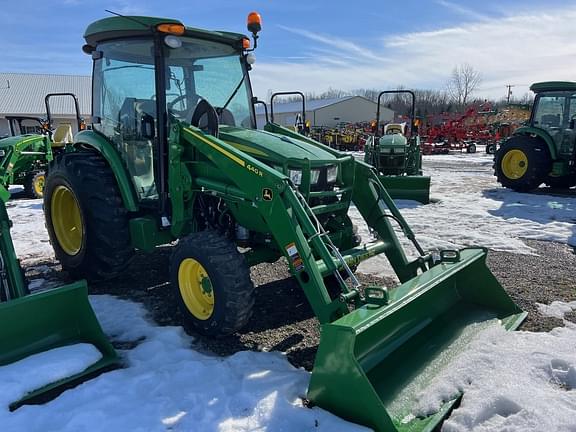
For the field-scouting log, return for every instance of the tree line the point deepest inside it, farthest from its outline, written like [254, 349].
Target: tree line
[457, 95]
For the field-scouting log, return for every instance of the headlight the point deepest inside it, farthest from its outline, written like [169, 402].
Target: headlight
[295, 176]
[385, 150]
[314, 176]
[399, 150]
[332, 174]
[2, 153]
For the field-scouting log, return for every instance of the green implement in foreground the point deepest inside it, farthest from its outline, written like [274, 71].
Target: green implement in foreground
[372, 363]
[174, 155]
[397, 156]
[35, 323]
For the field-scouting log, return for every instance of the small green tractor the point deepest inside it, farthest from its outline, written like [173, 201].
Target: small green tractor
[24, 156]
[398, 158]
[544, 150]
[173, 155]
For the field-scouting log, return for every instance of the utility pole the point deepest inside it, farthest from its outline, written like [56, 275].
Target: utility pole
[509, 86]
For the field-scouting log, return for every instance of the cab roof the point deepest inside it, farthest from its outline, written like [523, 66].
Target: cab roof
[133, 26]
[553, 86]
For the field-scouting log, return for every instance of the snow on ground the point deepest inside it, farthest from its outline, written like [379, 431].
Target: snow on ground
[471, 209]
[166, 385]
[513, 381]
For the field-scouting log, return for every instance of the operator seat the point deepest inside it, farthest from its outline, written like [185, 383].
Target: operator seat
[62, 135]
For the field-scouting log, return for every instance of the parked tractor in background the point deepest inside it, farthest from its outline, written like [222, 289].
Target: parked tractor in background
[544, 150]
[174, 155]
[24, 156]
[398, 158]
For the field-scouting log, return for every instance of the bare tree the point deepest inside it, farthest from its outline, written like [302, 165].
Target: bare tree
[463, 82]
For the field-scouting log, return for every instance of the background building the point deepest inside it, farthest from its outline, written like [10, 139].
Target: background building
[23, 94]
[327, 112]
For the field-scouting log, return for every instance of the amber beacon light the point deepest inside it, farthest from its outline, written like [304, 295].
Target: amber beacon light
[254, 22]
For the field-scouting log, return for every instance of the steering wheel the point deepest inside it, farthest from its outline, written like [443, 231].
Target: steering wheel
[183, 114]
[205, 118]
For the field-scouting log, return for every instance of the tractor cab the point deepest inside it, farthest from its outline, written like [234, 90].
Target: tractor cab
[150, 73]
[554, 112]
[544, 150]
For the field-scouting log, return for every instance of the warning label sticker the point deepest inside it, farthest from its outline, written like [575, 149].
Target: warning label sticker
[294, 257]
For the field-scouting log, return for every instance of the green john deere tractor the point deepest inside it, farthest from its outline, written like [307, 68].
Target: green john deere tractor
[397, 158]
[544, 150]
[173, 154]
[24, 156]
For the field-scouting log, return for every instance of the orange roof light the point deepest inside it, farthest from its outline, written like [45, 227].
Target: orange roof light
[175, 29]
[254, 22]
[245, 43]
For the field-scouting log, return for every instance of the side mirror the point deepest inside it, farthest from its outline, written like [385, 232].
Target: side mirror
[147, 126]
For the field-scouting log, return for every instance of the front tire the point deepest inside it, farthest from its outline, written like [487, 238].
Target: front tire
[212, 284]
[34, 184]
[522, 163]
[86, 220]
[564, 182]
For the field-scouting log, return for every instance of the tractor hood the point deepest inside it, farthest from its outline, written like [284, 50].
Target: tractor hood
[13, 141]
[394, 140]
[270, 147]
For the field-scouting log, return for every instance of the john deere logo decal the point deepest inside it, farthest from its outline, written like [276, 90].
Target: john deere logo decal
[267, 194]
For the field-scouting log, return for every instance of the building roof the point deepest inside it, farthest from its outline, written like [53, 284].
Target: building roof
[311, 105]
[23, 93]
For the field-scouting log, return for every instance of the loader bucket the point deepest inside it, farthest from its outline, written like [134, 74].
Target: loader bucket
[372, 362]
[415, 188]
[51, 319]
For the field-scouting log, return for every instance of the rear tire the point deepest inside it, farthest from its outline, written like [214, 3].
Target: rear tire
[522, 163]
[86, 220]
[471, 148]
[211, 283]
[490, 148]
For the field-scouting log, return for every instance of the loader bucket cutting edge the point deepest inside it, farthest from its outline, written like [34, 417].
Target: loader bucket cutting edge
[415, 188]
[50, 319]
[373, 362]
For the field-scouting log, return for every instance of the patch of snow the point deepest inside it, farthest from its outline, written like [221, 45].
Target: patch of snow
[38, 370]
[511, 381]
[556, 309]
[166, 385]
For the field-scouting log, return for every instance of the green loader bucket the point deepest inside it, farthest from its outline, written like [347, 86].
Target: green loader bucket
[51, 319]
[415, 188]
[372, 362]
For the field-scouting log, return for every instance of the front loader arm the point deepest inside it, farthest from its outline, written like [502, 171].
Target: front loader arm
[272, 195]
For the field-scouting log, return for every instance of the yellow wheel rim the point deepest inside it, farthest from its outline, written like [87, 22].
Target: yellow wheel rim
[196, 288]
[39, 185]
[67, 220]
[514, 164]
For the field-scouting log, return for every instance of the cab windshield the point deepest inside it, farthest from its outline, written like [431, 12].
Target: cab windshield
[125, 95]
[125, 82]
[202, 69]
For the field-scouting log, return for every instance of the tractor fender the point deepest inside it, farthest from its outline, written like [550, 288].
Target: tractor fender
[540, 133]
[92, 139]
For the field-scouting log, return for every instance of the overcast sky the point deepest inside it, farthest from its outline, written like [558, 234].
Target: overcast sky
[314, 45]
